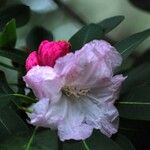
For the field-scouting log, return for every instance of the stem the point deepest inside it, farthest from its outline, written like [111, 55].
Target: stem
[25, 97]
[31, 139]
[60, 145]
[133, 103]
[69, 11]
[25, 109]
[85, 145]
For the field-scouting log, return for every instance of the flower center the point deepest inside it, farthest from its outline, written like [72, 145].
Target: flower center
[75, 92]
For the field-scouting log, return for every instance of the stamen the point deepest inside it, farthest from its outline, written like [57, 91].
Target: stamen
[73, 91]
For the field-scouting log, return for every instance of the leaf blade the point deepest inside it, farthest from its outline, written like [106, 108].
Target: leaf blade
[85, 35]
[126, 46]
[8, 35]
[110, 23]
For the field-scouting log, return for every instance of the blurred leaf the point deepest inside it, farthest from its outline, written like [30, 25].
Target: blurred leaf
[4, 88]
[85, 35]
[7, 66]
[97, 141]
[36, 36]
[45, 140]
[10, 122]
[124, 142]
[15, 55]
[19, 12]
[8, 35]
[126, 46]
[142, 4]
[137, 131]
[42, 140]
[137, 76]
[135, 104]
[110, 23]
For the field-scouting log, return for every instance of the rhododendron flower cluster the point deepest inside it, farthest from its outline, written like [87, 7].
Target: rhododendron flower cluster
[75, 91]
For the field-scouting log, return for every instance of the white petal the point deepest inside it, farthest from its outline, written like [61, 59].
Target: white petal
[103, 117]
[44, 82]
[108, 90]
[73, 126]
[89, 66]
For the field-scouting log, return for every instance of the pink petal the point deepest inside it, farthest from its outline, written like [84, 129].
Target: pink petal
[38, 115]
[91, 65]
[103, 116]
[44, 82]
[108, 90]
[32, 61]
[73, 126]
[49, 52]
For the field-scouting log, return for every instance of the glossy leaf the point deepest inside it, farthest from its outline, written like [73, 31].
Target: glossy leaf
[124, 142]
[96, 142]
[85, 35]
[126, 46]
[41, 140]
[137, 76]
[8, 35]
[135, 104]
[19, 12]
[36, 36]
[110, 23]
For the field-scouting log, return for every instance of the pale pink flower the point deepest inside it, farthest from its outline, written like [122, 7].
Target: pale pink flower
[78, 94]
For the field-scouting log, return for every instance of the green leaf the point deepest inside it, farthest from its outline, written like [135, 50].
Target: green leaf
[4, 90]
[19, 12]
[41, 140]
[97, 141]
[7, 66]
[126, 46]
[36, 36]
[135, 104]
[85, 35]
[10, 122]
[8, 35]
[110, 23]
[15, 55]
[137, 76]
[124, 142]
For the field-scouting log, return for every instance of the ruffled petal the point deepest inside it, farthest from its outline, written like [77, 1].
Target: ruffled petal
[64, 115]
[46, 113]
[44, 82]
[38, 115]
[102, 116]
[108, 90]
[31, 61]
[74, 126]
[89, 66]
[50, 51]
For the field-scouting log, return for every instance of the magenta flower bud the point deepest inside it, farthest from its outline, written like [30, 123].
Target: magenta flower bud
[32, 60]
[49, 52]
